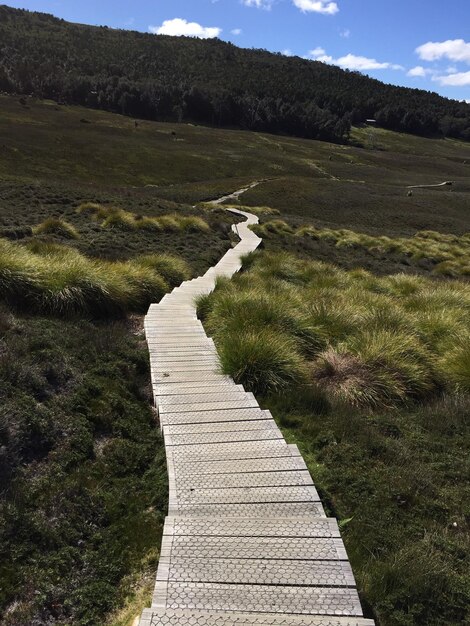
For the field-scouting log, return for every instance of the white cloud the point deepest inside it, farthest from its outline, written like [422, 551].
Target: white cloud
[353, 61]
[236, 31]
[178, 27]
[317, 6]
[287, 52]
[460, 79]
[345, 33]
[453, 49]
[317, 52]
[259, 4]
[419, 70]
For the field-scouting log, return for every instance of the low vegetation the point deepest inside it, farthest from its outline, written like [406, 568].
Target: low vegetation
[56, 226]
[114, 217]
[447, 254]
[256, 210]
[370, 376]
[364, 340]
[82, 469]
[54, 279]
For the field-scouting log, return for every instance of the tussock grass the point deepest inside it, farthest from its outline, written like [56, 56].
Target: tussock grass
[58, 280]
[365, 341]
[114, 217]
[173, 269]
[56, 226]
[449, 254]
[256, 210]
[265, 360]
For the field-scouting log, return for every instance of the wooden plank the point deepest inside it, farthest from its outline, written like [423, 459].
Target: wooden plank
[180, 617]
[260, 598]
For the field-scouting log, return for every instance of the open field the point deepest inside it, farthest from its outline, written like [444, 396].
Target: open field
[370, 377]
[335, 186]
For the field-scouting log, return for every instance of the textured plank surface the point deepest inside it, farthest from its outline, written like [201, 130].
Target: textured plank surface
[247, 541]
[176, 617]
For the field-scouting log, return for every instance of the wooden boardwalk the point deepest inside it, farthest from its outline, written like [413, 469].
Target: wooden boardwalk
[246, 541]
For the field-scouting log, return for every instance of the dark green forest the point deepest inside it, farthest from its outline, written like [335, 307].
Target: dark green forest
[207, 81]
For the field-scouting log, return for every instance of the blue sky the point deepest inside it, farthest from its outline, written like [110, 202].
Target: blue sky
[416, 43]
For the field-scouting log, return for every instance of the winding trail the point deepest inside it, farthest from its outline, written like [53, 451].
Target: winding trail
[246, 540]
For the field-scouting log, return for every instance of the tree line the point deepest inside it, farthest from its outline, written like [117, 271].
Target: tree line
[208, 82]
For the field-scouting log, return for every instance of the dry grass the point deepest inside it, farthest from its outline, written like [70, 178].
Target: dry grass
[449, 254]
[365, 341]
[56, 226]
[114, 217]
[58, 280]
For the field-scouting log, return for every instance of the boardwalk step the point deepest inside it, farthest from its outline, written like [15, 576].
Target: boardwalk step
[244, 401]
[289, 548]
[251, 571]
[183, 389]
[204, 398]
[201, 467]
[258, 598]
[259, 510]
[218, 427]
[243, 479]
[248, 527]
[206, 417]
[171, 617]
[265, 434]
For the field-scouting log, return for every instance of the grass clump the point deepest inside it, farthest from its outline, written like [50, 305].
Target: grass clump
[114, 217]
[56, 226]
[173, 269]
[265, 361]
[366, 341]
[58, 280]
[448, 255]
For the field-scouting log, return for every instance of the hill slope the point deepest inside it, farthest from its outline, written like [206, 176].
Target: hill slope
[214, 82]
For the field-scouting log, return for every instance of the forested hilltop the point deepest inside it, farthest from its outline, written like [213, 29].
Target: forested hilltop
[207, 81]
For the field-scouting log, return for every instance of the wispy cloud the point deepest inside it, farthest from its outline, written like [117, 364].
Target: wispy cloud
[178, 27]
[353, 61]
[345, 33]
[236, 31]
[259, 4]
[317, 6]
